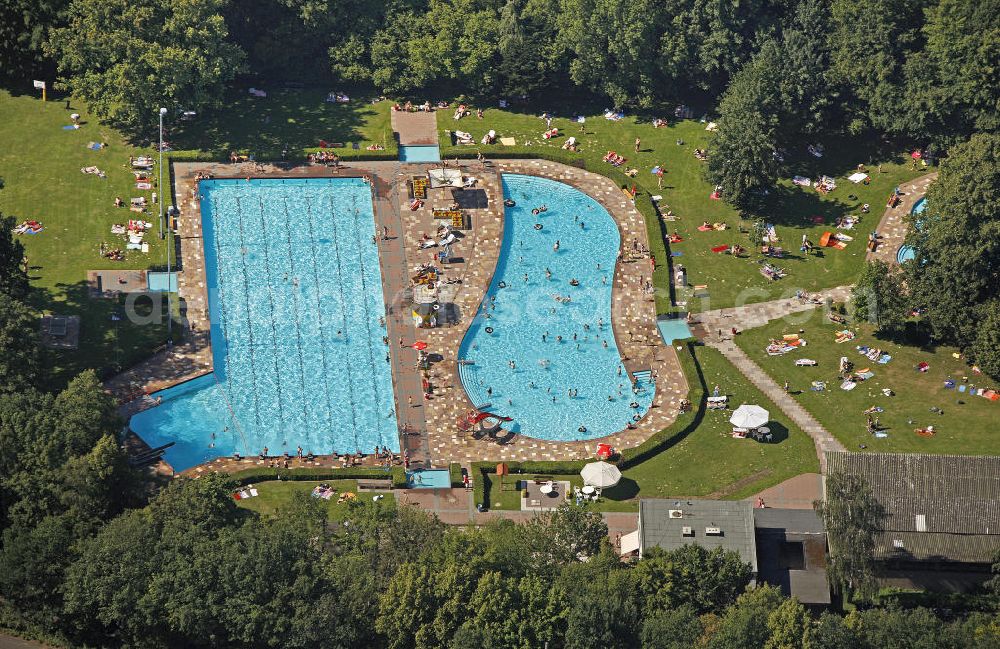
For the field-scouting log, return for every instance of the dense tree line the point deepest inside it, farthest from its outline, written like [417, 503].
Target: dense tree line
[919, 69]
[191, 569]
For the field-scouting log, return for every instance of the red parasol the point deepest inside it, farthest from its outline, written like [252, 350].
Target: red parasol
[604, 451]
[420, 345]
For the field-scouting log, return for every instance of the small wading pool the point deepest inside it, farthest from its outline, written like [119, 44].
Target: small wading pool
[673, 329]
[429, 479]
[410, 153]
[906, 253]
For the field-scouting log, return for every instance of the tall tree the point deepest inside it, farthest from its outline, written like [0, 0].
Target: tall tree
[957, 242]
[742, 158]
[13, 274]
[746, 624]
[853, 518]
[128, 59]
[23, 29]
[706, 580]
[951, 84]
[879, 296]
[678, 628]
[869, 45]
[985, 349]
[20, 353]
[568, 534]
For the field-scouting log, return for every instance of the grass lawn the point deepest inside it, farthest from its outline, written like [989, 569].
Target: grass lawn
[40, 169]
[707, 461]
[40, 174]
[686, 192]
[295, 120]
[275, 494]
[967, 425]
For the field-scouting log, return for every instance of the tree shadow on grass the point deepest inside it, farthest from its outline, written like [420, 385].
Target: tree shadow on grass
[109, 340]
[792, 207]
[295, 119]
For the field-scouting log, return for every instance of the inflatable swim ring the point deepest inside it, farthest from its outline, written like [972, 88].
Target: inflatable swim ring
[489, 330]
[502, 284]
[538, 226]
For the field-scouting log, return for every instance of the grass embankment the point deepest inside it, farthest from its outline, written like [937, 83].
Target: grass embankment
[686, 192]
[275, 494]
[965, 427]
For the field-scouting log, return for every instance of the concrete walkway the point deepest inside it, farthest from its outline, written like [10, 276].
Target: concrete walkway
[822, 438]
[415, 129]
[717, 325]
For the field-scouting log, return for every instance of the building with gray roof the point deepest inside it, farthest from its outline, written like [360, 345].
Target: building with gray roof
[940, 508]
[670, 524]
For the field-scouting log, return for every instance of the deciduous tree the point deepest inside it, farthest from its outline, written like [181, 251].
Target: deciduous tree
[853, 518]
[128, 59]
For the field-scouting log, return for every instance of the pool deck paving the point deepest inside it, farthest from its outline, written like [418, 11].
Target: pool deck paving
[430, 435]
[892, 227]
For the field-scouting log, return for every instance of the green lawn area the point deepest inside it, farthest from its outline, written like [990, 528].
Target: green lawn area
[687, 193]
[40, 174]
[295, 120]
[707, 461]
[275, 494]
[40, 168]
[966, 425]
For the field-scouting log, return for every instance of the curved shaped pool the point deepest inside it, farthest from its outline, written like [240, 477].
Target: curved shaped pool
[541, 349]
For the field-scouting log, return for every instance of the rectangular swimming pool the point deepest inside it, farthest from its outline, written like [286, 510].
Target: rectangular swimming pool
[411, 153]
[297, 313]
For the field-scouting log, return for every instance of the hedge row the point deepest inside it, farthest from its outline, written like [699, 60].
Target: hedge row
[292, 157]
[397, 474]
[455, 474]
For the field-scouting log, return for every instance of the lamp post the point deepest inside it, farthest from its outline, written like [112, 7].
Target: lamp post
[163, 231]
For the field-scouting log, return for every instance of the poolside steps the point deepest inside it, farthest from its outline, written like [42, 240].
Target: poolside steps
[646, 376]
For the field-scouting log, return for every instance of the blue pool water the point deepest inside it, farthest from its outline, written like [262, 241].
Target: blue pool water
[429, 479]
[906, 253]
[295, 295]
[161, 282]
[410, 153]
[672, 329]
[535, 391]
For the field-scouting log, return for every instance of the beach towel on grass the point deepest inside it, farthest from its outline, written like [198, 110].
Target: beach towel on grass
[718, 249]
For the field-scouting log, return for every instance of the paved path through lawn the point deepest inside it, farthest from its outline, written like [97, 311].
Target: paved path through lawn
[717, 325]
[715, 328]
[821, 437]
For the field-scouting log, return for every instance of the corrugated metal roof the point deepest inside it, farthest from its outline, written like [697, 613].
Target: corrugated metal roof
[946, 499]
[923, 546]
[734, 518]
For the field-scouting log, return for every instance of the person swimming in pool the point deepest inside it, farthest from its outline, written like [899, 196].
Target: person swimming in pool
[555, 246]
